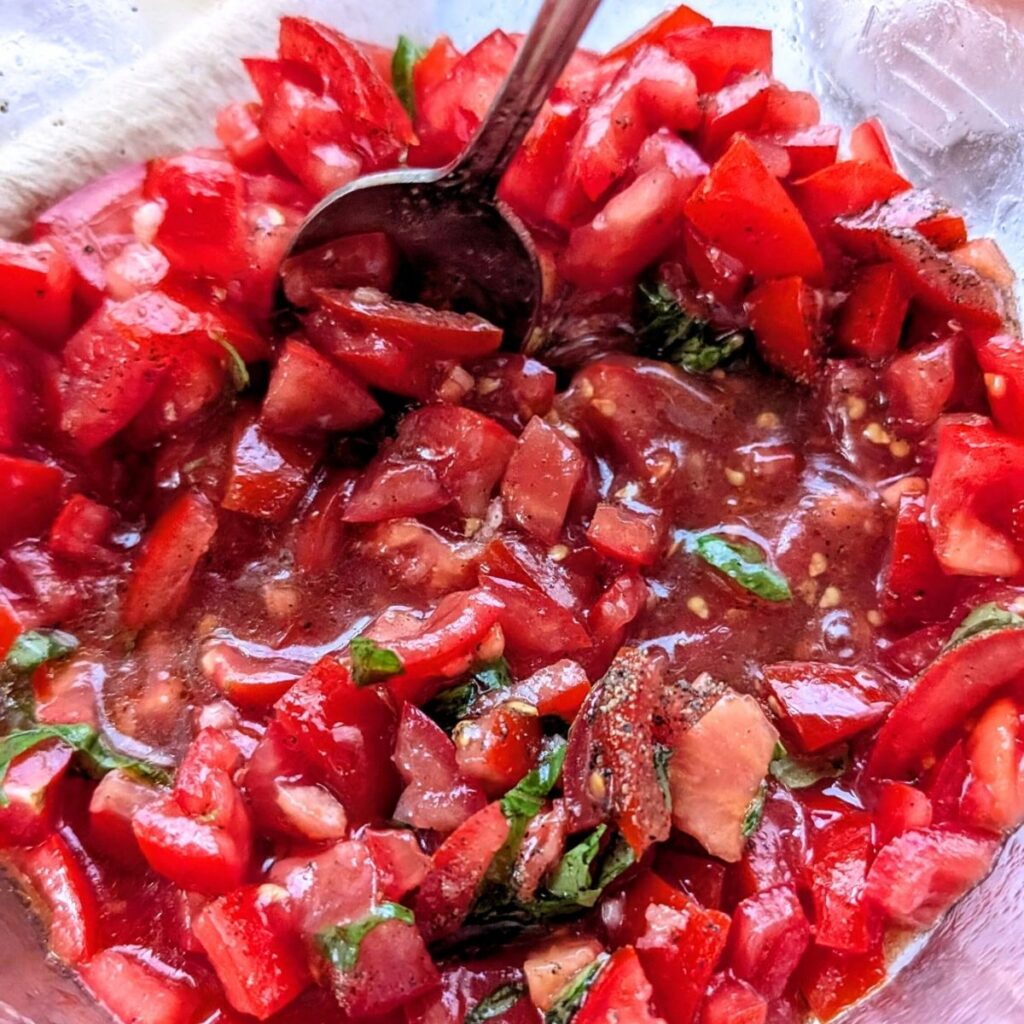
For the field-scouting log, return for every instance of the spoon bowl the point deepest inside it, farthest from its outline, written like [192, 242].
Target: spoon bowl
[459, 246]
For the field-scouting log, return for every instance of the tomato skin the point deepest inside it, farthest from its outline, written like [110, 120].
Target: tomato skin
[31, 786]
[248, 937]
[113, 806]
[920, 209]
[1001, 357]
[439, 795]
[945, 694]
[786, 317]
[920, 873]
[868, 142]
[269, 473]
[543, 473]
[400, 863]
[871, 319]
[742, 208]
[620, 992]
[714, 52]
[81, 531]
[676, 20]
[346, 734]
[176, 543]
[994, 796]
[731, 1001]
[770, 933]
[134, 986]
[36, 286]
[32, 496]
[915, 589]
[978, 476]
[307, 393]
[809, 149]
[499, 747]
[556, 689]
[459, 865]
[53, 871]
[629, 535]
[898, 809]
[738, 107]
[821, 704]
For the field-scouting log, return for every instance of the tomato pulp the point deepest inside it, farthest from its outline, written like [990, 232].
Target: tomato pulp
[671, 665]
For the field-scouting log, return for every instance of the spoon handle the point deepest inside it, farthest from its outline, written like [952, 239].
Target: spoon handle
[541, 59]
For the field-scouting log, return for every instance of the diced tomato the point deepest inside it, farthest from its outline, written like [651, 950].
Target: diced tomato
[789, 110]
[994, 796]
[346, 734]
[31, 497]
[676, 20]
[81, 531]
[629, 535]
[452, 97]
[769, 935]
[741, 207]
[31, 788]
[978, 478]
[557, 689]
[731, 1001]
[652, 91]
[716, 53]
[438, 795]
[619, 604]
[400, 862]
[462, 335]
[434, 67]
[840, 854]
[55, 876]
[786, 317]
[499, 747]
[915, 588]
[173, 549]
[458, 867]
[319, 533]
[356, 261]
[620, 992]
[94, 224]
[238, 131]
[202, 230]
[809, 149]
[946, 782]
[716, 272]
[738, 107]
[712, 783]
[533, 623]
[899, 808]
[608, 771]
[678, 952]
[36, 286]
[918, 209]
[511, 389]
[868, 142]
[945, 694]
[821, 704]
[922, 872]
[637, 224]
[440, 455]
[832, 981]
[1001, 358]
[309, 393]
[551, 967]
[269, 473]
[137, 986]
[247, 674]
[392, 968]
[543, 473]
[248, 937]
[114, 804]
[870, 321]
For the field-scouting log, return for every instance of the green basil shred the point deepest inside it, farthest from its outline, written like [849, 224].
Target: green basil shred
[801, 772]
[986, 618]
[340, 944]
[407, 55]
[372, 663]
[94, 755]
[671, 334]
[500, 1001]
[745, 564]
[571, 998]
[39, 646]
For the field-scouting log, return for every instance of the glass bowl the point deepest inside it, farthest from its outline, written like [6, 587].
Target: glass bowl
[943, 75]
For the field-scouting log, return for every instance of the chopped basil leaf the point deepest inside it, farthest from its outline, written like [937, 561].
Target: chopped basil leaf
[572, 877]
[986, 618]
[779, 750]
[86, 742]
[500, 1001]
[799, 773]
[236, 364]
[672, 334]
[526, 797]
[456, 703]
[755, 812]
[407, 56]
[340, 944]
[370, 663]
[744, 564]
[37, 647]
[571, 998]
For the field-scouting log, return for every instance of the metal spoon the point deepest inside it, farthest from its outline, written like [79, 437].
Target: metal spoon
[454, 236]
